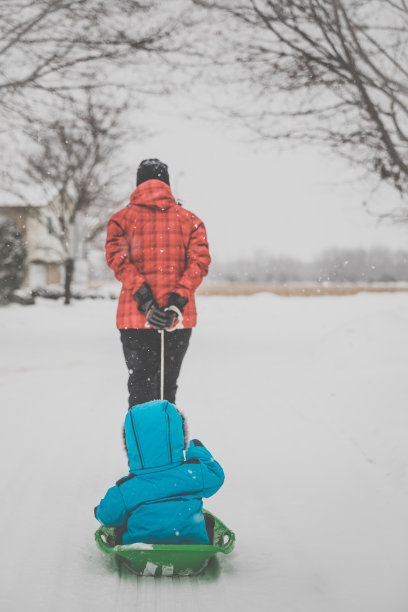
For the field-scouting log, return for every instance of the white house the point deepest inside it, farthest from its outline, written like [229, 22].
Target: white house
[45, 251]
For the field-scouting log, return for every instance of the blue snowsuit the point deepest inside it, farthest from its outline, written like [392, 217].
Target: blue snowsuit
[160, 501]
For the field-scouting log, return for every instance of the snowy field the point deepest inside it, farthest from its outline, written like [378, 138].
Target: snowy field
[304, 403]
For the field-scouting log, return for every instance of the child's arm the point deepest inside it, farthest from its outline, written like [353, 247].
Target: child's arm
[111, 511]
[213, 473]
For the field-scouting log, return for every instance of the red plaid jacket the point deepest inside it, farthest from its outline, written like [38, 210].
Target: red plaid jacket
[154, 240]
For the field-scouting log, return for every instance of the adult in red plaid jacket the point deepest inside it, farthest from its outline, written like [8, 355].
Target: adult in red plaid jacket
[159, 252]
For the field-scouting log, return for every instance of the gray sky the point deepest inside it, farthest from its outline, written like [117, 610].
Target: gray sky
[296, 203]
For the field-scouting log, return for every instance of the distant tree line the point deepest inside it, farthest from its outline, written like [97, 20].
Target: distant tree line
[332, 266]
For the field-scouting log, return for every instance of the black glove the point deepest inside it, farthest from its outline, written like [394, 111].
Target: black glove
[155, 316]
[177, 300]
[175, 306]
[144, 297]
[197, 442]
[159, 318]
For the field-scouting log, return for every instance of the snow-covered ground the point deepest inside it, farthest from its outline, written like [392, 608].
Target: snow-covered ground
[304, 403]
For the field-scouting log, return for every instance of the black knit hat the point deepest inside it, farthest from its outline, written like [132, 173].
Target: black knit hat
[152, 169]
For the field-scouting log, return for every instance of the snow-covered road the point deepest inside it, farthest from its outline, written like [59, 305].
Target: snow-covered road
[303, 402]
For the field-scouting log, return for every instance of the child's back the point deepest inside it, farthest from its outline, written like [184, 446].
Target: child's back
[160, 501]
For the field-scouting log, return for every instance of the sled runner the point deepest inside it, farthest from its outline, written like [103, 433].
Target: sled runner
[166, 559]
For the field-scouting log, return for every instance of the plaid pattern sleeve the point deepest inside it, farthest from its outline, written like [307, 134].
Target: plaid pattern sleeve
[118, 257]
[197, 260]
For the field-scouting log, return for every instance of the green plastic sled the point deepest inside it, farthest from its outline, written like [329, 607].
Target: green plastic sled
[166, 559]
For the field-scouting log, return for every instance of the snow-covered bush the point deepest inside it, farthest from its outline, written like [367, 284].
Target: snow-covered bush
[12, 259]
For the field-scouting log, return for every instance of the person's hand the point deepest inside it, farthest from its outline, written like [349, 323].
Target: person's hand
[175, 307]
[177, 300]
[196, 442]
[156, 317]
[144, 298]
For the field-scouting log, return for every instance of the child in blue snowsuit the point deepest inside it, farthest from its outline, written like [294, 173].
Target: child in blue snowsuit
[160, 501]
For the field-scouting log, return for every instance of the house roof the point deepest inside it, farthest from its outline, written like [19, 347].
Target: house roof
[7, 205]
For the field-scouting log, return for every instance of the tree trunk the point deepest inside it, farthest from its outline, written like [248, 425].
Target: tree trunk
[69, 274]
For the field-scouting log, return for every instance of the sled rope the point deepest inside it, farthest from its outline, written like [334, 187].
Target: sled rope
[161, 332]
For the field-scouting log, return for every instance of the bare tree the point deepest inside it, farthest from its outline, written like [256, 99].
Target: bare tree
[51, 49]
[53, 53]
[76, 166]
[331, 71]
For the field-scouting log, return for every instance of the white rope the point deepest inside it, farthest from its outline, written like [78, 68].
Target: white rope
[161, 332]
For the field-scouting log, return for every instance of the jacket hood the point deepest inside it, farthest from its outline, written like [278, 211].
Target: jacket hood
[154, 436]
[153, 193]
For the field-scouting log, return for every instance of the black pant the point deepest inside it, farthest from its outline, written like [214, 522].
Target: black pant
[142, 350]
